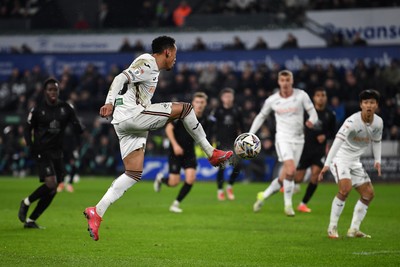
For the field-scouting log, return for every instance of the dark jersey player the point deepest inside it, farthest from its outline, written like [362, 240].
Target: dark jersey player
[315, 146]
[229, 124]
[182, 153]
[44, 135]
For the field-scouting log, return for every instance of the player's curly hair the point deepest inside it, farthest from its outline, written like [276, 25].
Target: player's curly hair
[161, 43]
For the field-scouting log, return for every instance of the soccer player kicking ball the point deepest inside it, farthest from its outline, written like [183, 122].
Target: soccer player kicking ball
[134, 115]
[352, 140]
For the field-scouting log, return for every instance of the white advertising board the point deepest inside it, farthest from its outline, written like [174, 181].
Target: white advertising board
[75, 43]
[379, 26]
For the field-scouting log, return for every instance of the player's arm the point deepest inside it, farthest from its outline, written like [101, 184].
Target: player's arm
[75, 122]
[377, 151]
[169, 131]
[310, 109]
[341, 136]
[261, 117]
[29, 126]
[116, 86]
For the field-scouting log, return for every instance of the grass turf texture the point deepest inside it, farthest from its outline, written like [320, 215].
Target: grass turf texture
[138, 230]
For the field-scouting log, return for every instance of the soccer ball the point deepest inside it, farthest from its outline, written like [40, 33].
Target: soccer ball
[247, 146]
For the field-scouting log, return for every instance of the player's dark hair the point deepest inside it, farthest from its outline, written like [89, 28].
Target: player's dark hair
[319, 89]
[161, 43]
[49, 80]
[369, 94]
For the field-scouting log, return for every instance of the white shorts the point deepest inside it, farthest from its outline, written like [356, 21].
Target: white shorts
[350, 170]
[132, 133]
[289, 151]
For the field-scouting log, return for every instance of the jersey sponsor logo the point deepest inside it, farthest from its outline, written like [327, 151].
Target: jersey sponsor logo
[286, 110]
[119, 101]
[361, 139]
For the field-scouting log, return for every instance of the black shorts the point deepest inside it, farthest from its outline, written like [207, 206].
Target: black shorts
[51, 167]
[178, 162]
[309, 158]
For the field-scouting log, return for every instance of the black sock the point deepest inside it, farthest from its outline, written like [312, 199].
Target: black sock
[42, 205]
[184, 191]
[309, 192]
[234, 174]
[39, 192]
[165, 180]
[220, 178]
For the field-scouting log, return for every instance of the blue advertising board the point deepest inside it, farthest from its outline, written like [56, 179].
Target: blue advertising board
[206, 172]
[292, 59]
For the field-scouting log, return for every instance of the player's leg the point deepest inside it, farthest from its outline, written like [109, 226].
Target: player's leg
[366, 190]
[312, 186]
[190, 178]
[44, 193]
[132, 151]
[220, 184]
[232, 179]
[185, 112]
[341, 173]
[175, 163]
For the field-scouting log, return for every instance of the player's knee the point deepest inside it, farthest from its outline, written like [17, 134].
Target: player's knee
[344, 193]
[186, 109]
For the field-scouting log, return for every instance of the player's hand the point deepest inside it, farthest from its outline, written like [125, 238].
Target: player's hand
[377, 167]
[309, 124]
[323, 171]
[178, 150]
[106, 110]
[321, 138]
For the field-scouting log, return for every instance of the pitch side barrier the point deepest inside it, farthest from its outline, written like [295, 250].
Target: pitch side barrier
[292, 59]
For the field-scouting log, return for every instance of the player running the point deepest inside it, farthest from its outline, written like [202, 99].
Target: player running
[315, 146]
[134, 115]
[182, 153]
[289, 105]
[352, 140]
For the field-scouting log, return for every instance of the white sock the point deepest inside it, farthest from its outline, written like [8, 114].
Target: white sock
[175, 203]
[288, 187]
[116, 190]
[272, 188]
[360, 210]
[336, 210]
[27, 202]
[195, 129]
[29, 220]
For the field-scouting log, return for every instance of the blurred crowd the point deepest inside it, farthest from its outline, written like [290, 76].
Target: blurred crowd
[162, 13]
[98, 152]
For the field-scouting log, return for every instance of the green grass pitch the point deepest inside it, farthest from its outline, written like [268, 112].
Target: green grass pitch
[138, 230]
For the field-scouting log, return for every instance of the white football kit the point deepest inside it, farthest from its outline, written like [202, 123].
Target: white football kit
[289, 116]
[134, 115]
[352, 140]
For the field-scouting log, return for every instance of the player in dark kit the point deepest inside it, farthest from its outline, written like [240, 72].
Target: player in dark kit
[229, 124]
[44, 134]
[182, 153]
[315, 146]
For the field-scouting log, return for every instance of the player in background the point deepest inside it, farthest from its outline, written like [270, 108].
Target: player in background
[44, 135]
[288, 105]
[354, 137]
[228, 125]
[317, 140]
[182, 153]
[134, 116]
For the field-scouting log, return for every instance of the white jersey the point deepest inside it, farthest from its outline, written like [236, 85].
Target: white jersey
[142, 77]
[355, 136]
[289, 115]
